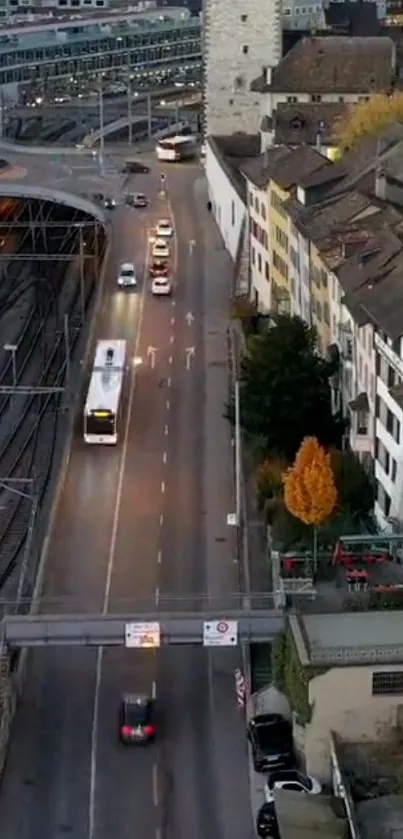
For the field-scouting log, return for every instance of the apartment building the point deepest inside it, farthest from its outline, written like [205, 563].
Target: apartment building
[257, 209]
[327, 71]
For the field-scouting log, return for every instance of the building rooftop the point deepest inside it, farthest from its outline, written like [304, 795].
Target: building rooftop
[338, 64]
[285, 165]
[308, 816]
[235, 152]
[373, 637]
[304, 122]
[353, 19]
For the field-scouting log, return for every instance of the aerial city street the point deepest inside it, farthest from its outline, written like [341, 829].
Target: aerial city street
[201, 370]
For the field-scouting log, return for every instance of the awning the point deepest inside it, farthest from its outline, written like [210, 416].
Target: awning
[360, 404]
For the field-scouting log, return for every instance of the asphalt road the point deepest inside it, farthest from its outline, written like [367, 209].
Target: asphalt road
[142, 523]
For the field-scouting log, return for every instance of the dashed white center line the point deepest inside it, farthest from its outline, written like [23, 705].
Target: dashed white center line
[169, 382]
[154, 690]
[170, 359]
[167, 404]
[161, 520]
[172, 321]
[157, 596]
[166, 431]
[162, 487]
[164, 457]
[173, 302]
[159, 557]
[171, 340]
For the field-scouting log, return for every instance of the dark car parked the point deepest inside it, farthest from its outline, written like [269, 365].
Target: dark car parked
[134, 167]
[270, 737]
[266, 822]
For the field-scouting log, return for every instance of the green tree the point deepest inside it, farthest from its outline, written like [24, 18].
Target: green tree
[355, 489]
[285, 393]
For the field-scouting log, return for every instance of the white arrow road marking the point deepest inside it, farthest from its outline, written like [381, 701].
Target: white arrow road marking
[189, 318]
[151, 352]
[190, 352]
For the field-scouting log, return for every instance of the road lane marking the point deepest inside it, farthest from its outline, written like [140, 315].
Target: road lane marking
[172, 321]
[158, 834]
[159, 557]
[157, 596]
[174, 302]
[161, 519]
[170, 359]
[164, 457]
[171, 340]
[154, 690]
[166, 431]
[155, 785]
[162, 487]
[167, 404]
[111, 559]
[169, 382]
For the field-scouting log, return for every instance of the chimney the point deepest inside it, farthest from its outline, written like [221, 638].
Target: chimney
[380, 184]
[268, 71]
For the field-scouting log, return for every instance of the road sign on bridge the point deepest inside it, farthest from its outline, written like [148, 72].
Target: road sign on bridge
[243, 626]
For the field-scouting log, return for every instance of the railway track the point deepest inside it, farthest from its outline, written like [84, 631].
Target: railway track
[30, 453]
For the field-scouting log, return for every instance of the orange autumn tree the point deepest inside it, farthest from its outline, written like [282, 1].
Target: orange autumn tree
[309, 488]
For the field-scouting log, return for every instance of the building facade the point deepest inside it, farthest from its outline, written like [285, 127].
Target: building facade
[239, 38]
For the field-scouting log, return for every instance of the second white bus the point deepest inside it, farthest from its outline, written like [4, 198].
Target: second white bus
[101, 412]
[175, 149]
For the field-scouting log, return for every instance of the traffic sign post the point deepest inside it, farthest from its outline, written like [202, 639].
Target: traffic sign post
[220, 633]
[142, 636]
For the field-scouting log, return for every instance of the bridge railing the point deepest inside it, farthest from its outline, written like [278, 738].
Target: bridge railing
[168, 603]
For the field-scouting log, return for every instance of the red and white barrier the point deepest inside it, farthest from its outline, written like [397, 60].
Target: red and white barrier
[240, 689]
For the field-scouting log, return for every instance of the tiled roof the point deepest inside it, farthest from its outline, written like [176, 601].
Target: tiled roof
[285, 165]
[304, 122]
[337, 64]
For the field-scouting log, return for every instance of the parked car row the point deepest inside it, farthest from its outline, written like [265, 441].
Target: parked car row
[272, 746]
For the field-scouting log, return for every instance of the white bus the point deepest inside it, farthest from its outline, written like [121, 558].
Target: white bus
[175, 149]
[101, 412]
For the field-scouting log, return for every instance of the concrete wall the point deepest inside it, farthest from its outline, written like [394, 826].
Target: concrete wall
[227, 207]
[342, 702]
[239, 39]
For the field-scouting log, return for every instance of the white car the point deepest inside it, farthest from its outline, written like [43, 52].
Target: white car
[290, 779]
[127, 275]
[164, 229]
[161, 286]
[160, 249]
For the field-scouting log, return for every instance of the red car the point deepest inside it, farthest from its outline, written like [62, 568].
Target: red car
[158, 268]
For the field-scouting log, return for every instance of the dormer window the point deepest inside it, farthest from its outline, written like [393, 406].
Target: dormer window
[296, 124]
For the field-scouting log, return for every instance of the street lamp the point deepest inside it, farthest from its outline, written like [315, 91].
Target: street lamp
[101, 125]
[237, 396]
[12, 348]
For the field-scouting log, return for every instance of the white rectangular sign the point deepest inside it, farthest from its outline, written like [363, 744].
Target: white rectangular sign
[142, 635]
[220, 633]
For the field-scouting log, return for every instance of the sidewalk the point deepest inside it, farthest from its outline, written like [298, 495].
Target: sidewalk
[218, 432]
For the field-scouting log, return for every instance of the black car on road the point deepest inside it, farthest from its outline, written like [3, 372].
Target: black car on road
[270, 737]
[266, 822]
[136, 719]
[135, 167]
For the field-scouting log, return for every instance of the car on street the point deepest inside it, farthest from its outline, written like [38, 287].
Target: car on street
[136, 719]
[127, 275]
[266, 822]
[109, 203]
[160, 249]
[164, 229]
[158, 268]
[271, 741]
[293, 780]
[138, 200]
[161, 286]
[135, 167]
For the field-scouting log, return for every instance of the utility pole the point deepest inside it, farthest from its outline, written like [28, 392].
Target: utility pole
[129, 101]
[67, 349]
[82, 278]
[237, 454]
[101, 126]
[149, 116]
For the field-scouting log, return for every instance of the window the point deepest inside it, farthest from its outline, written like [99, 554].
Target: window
[245, 49]
[259, 262]
[253, 256]
[362, 423]
[257, 205]
[316, 97]
[231, 101]
[383, 499]
[394, 470]
[266, 271]
[387, 683]
[263, 211]
[326, 313]
[251, 199]
[244, 18]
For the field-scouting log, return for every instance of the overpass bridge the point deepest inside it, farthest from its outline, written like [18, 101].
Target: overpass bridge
[94, 137]
[142, 630]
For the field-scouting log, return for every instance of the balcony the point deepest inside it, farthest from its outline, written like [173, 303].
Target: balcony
[391, 357]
